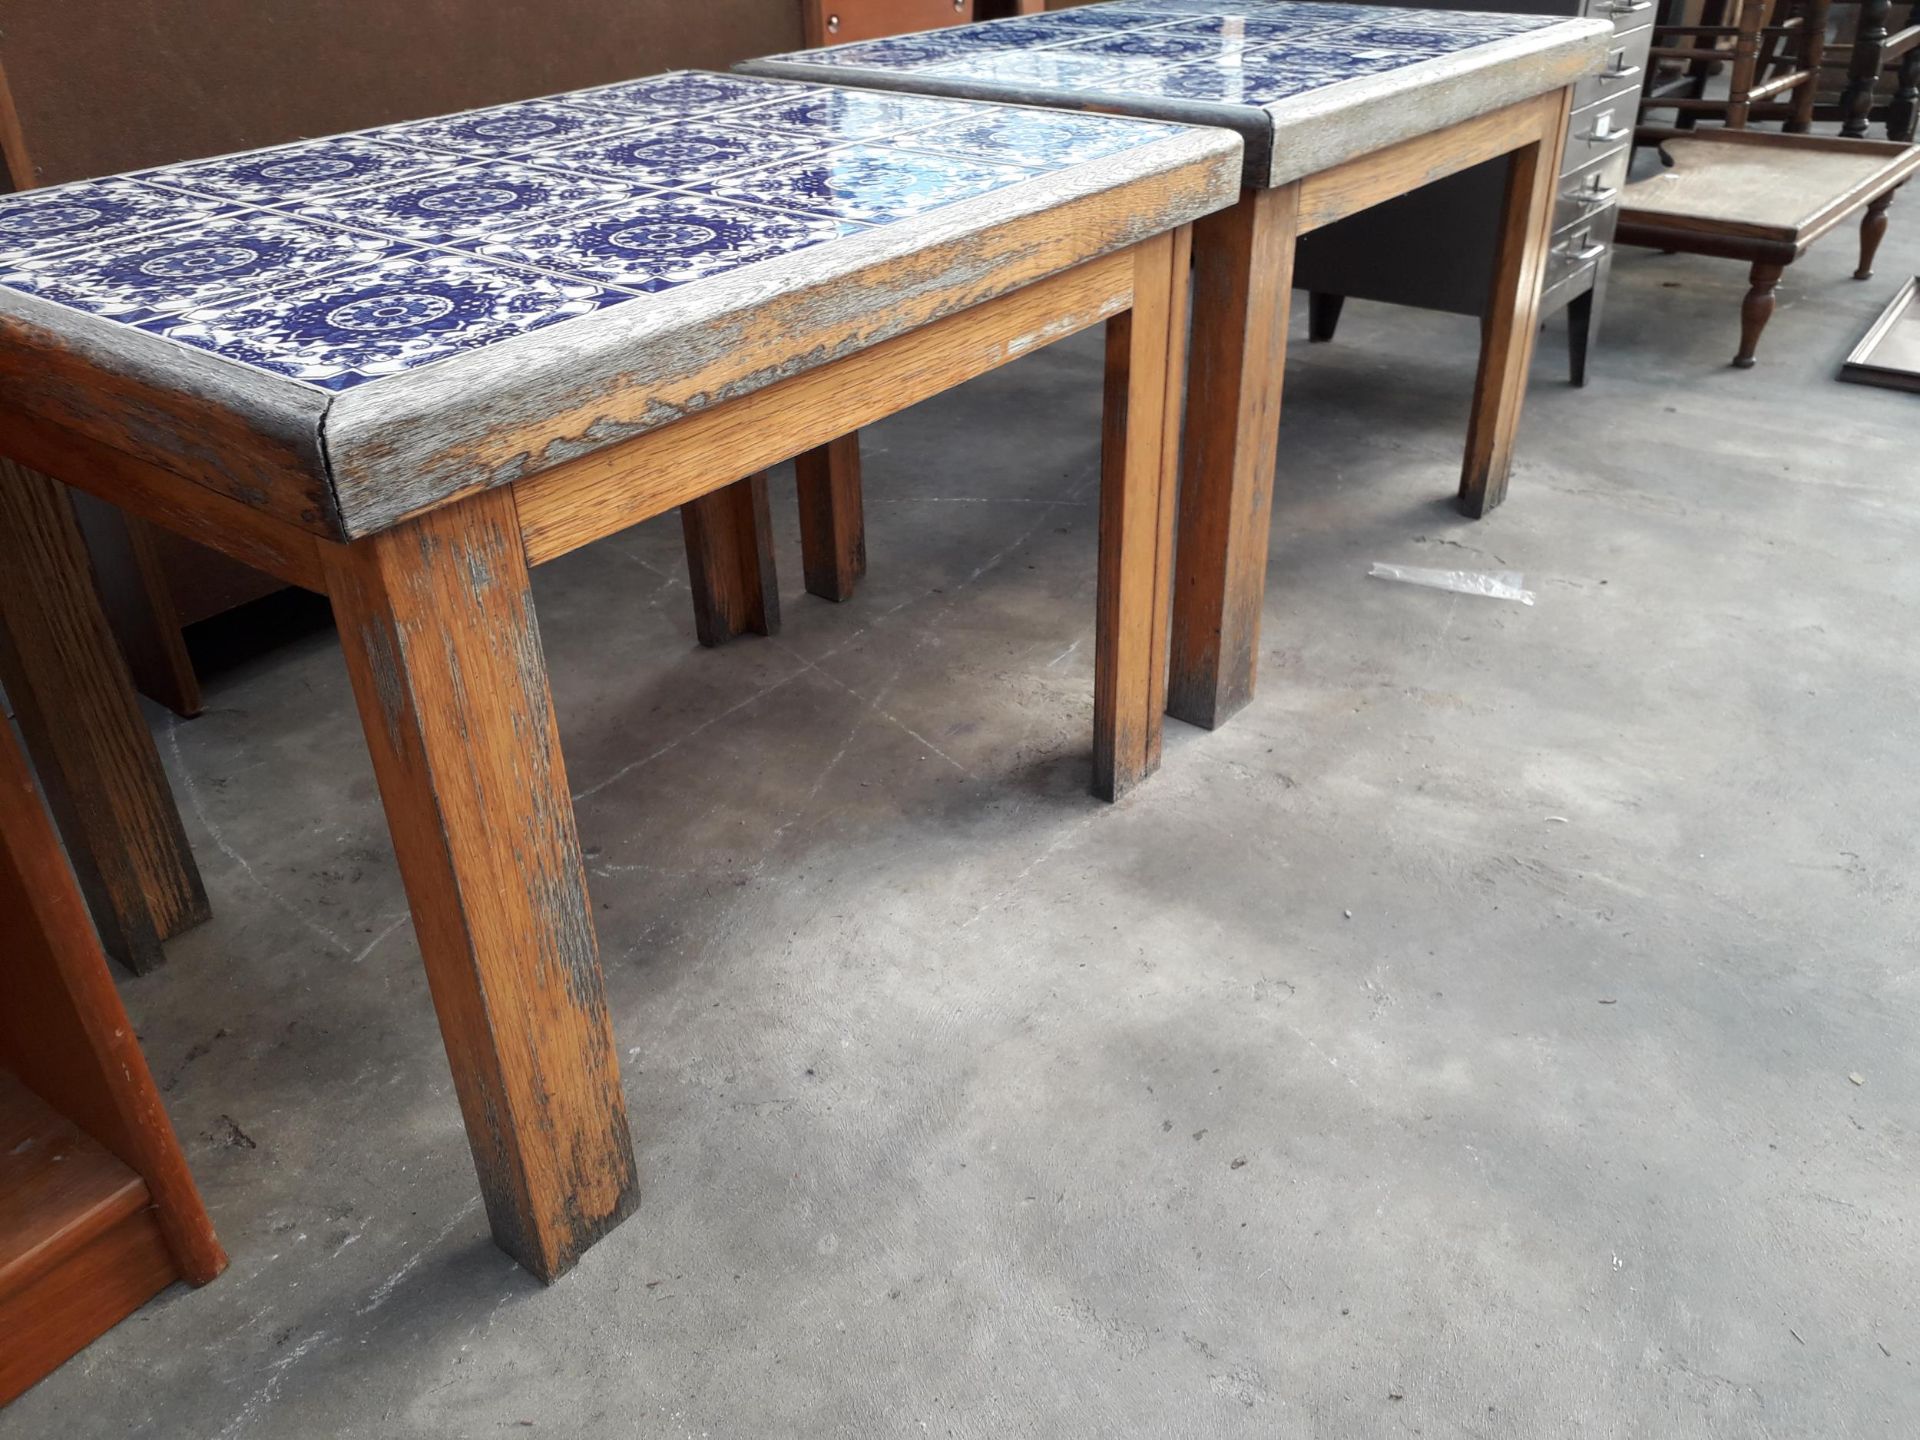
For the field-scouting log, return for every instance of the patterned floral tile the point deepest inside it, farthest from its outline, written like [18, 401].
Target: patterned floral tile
[868, 183]
[162, 272]
[659, 241]
[843, 115]
[402, 313]
[1045, 69]
[301, 172]
[896, 52]
[467, 204]
[93, 212]
[681, 154]
[1042, 138]
[1262, 78]
[684, 93]
[1262, 29]
[509, 129]
[1169, 43]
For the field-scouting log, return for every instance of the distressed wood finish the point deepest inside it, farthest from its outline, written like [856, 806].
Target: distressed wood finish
[437, 622]
[729, 537]
[570, 505]
[1242, 288]
[833, 526]
[75, 702]
[1346, 189]
[1508, 330]
[421, 438]
[1139, 447]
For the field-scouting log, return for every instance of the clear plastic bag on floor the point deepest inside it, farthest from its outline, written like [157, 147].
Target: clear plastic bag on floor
[1495, 585]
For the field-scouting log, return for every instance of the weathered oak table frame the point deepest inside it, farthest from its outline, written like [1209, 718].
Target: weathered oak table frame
[424, 502]
[1311, 160]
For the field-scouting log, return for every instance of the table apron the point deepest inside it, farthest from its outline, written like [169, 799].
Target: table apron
[600, 494]
[1368, 180]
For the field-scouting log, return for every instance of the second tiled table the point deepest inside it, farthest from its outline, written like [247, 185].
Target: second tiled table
[1341, 107]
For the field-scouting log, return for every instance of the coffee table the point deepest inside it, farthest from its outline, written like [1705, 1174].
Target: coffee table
[1341, 107]
[404, 366]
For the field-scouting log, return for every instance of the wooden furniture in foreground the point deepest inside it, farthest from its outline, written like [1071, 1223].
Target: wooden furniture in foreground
[98, 1212]
[1889, 353]
[1777, 49]
[1339, 113]
[1765, 198]
[1369, 255]
[403, 370]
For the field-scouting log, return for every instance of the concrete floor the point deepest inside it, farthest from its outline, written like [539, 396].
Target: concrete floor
[1458, 1044]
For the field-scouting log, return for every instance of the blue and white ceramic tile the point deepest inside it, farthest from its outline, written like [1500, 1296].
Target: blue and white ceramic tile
[683, 93]
[1261, 29]
[1260, 78]
[656, 242]
[394, 316]
[1156, 44]
[1043, 138]
[163, 272]
[510, 129]
[305, 171]
[1044, 69]
[896, 52]
[92, 212]
[681, 154]
[469, 203]
[869, 183]
[838, 116]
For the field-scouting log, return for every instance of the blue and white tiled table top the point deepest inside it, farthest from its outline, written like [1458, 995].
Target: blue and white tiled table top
[333, 263]
[1307, 84]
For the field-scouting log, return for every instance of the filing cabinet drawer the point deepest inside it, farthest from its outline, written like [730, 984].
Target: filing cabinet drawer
[1579, 247]
[1596, 131]
[1589, 191]
[1624, 72]
[1625, 14]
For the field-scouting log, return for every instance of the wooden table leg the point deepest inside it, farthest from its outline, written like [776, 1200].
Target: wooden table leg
[436, 618]
[1873, 229]
[1513, 309]
[833, 527]
[1863, 67]
[1242, 289]
[95, 756]
[1756, 310]
[729, 535]
[1139, 444]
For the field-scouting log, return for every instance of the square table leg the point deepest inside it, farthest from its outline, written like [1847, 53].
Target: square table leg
[729, 536]
[95, 756]
[1140, 437]
[833, 533]
[1513, 318]
[436, 618]
[1242, 289]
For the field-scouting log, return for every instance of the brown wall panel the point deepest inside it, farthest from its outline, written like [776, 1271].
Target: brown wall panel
[108, 85]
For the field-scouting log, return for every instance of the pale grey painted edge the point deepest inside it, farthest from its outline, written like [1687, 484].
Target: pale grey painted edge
[166, 373]
[1324, 128]
[1250, 122]
[397, 447]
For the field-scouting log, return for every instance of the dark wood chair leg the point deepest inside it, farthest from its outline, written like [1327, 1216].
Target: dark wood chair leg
[1903, 112]
[1863, 67]
[1323, 314]
[90, 744]
[1873, 228]
[729, 535]
[1756, 310]
[833, 526]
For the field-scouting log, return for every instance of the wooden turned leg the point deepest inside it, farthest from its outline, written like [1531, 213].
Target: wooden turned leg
[437, 622]
[1242, 287]
[1873, 228]
[90, 744]
[1903, 111]
[1755, 311]
[1863, 67]
[1323, 314]
[833, 526]
[1139, 446]
[729, 535]
[1506, 339]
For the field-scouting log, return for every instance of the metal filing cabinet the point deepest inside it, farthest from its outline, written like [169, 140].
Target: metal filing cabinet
[1433, 248]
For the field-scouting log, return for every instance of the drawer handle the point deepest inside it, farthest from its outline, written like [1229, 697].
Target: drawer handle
[1622, 72]
[1598, 198]
[1602, 131]
[1580, 257]
[1629, 7]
